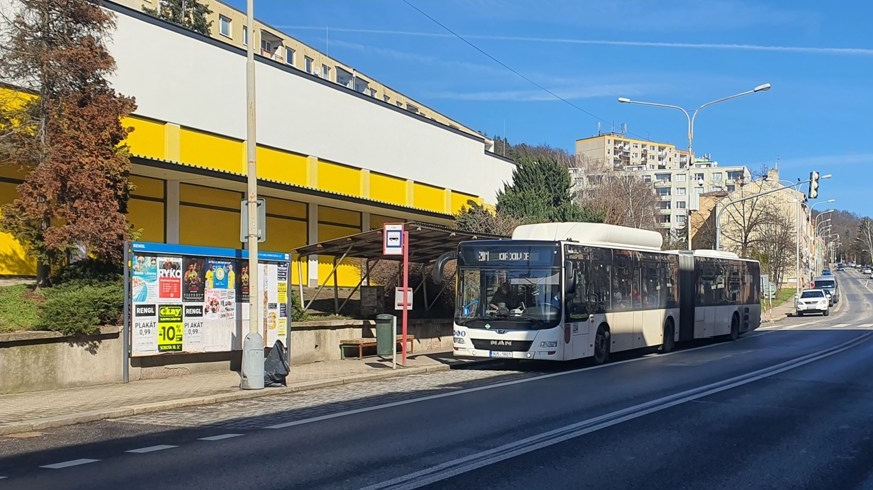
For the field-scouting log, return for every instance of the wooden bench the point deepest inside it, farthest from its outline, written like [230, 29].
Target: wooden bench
[361, 343]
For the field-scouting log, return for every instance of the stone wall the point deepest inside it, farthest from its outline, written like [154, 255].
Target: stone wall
[32, 361]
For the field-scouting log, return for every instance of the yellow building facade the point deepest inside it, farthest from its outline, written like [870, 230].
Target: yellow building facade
[352, 163]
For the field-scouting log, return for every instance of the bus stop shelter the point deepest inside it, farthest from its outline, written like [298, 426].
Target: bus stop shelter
[426, 243]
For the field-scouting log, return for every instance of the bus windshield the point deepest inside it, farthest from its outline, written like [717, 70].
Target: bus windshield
[518, 299]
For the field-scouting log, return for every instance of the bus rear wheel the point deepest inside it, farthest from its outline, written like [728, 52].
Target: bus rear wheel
[669, 338]
[601, 345]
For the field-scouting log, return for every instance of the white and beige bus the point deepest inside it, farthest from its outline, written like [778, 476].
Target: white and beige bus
[585, 290]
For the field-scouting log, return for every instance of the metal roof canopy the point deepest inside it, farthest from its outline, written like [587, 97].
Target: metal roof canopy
[426, 243]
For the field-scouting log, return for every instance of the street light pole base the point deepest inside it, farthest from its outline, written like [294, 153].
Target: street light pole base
[252, 369]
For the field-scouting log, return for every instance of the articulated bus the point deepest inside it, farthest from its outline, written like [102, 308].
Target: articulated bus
[562, 291]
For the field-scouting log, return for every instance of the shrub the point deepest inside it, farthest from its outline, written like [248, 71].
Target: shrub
[297, 313]
[18, 308]
[79, 308]
[89, 271]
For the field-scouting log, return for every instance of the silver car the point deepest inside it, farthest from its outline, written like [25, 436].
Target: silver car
[812, 301]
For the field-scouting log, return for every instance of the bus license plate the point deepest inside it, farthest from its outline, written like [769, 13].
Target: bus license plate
[500, 354]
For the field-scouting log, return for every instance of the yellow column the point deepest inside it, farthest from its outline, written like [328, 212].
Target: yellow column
[365, 184]
[312, 172]
[410, 192]
[172, 142]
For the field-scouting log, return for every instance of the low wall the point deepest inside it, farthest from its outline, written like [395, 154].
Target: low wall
[33, 361]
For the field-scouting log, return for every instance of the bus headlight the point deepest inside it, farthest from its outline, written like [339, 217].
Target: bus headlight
[550, 343]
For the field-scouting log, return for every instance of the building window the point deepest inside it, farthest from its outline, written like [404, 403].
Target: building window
[680, 204]
[325, 72]
[664, 191]
[680, 191]
[266, 47]
[289, 56]
[698, 177]
[245, 36]
[680, 177]
[224, 26]
[307, 64]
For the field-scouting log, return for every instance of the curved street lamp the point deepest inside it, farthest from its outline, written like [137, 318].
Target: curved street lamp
[690, 118]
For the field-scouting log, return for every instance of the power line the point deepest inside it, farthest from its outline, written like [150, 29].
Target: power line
[492, 58]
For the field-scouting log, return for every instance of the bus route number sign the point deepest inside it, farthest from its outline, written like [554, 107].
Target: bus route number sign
[495, 256]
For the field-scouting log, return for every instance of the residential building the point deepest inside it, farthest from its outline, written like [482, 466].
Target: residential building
[677, 185]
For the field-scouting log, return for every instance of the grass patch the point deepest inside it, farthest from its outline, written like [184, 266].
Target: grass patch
[19, 308]
[783, 295]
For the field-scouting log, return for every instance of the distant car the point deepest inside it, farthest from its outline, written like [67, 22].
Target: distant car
[812, 301]
[826, 272]
[866, 271]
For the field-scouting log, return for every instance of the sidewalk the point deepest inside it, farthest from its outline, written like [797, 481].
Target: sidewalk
[33, 411]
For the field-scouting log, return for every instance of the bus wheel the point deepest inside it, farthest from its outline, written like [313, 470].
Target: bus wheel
[601, 345]
[669, 338]
[735, 327]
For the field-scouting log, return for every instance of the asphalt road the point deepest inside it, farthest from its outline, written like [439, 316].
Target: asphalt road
[788, 406]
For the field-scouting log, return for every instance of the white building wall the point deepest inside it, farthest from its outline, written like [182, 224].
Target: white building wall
[194, 83]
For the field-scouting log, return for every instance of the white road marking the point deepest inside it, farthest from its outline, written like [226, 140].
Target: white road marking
[495, 455]
[219, 437]
[67, 464]
[151, 449]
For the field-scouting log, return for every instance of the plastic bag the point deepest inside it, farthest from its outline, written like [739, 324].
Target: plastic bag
[276, 366]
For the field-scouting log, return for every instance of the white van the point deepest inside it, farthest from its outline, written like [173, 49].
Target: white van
[829, 285]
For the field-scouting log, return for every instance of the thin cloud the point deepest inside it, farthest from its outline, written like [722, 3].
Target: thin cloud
[585, 92]
[601, 42]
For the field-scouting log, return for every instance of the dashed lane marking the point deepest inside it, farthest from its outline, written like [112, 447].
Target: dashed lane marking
[67, 464]
[218, 437]
[150, 449]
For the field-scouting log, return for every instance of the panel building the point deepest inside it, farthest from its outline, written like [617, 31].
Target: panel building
[677, 185]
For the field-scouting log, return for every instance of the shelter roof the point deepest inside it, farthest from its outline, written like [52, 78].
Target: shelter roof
[426, 243]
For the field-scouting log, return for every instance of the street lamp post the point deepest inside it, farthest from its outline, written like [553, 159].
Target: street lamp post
[690, 119]
[252, 367]
[812, 229]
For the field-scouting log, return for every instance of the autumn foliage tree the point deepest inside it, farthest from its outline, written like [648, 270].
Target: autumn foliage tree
[65, 134]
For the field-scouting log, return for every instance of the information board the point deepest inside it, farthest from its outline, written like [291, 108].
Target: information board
[196, 299]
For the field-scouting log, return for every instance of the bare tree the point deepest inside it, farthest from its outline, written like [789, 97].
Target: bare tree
[776, 247]
[744, 222]
[623, 199]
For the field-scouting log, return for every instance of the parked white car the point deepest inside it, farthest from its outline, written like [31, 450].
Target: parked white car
[812, 301]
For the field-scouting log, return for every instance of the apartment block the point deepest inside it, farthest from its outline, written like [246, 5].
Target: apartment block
[677, 185]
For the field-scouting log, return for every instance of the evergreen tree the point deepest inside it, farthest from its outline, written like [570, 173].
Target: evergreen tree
[541, 191]
[189, 14]
[65, 133]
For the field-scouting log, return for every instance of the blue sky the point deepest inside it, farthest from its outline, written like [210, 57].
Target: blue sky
[549, 71]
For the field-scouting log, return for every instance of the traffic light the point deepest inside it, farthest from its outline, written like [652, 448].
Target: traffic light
[813, 185]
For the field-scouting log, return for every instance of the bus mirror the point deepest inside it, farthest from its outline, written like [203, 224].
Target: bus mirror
[438, 274]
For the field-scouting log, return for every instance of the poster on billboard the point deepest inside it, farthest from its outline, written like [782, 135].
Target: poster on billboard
[195, 299]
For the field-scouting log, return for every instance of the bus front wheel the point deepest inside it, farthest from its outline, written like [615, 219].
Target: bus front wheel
[735, 327]
[601, 345]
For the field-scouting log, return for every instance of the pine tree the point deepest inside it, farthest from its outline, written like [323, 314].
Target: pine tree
[66, 133]
[541, 191]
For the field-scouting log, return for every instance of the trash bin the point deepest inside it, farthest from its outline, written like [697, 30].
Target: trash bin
[384, 334]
